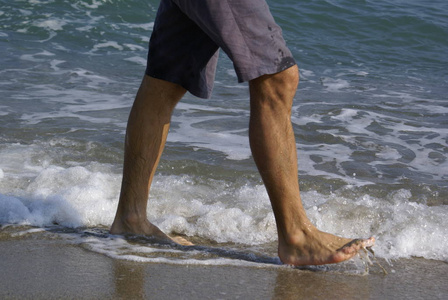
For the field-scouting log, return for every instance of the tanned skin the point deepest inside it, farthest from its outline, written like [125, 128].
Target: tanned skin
[274, 151]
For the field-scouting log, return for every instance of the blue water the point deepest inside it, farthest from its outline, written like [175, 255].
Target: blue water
[370, 118]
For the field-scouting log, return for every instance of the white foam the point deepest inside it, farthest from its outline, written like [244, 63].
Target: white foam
[305, 74]
[362, 73]
[51, 24]
[40, 1]
[86, 196]
[334, 85]
[13, 211]
[34, 57]
[29, 231]
[231, 142]
[388, 153]
[40, 185]
[35, 192]
[137, 59]
[389, 146]
[144, 26]
[112, 44]
[75, 102]
[134, 47]
[94, 4]
[54, 64]
[118, 248]
[86, 28]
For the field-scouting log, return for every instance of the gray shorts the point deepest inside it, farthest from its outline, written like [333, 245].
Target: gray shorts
[187, 34]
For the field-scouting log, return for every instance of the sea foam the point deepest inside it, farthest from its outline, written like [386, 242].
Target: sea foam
[84, 197]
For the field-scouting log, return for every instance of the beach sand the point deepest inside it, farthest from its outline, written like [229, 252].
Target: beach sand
[32, 268]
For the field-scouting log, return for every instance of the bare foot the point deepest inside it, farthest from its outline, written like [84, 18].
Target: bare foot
[314, 247]
[146, 228]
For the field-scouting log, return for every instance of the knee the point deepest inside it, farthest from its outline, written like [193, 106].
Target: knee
[290, 78]
[276, 89]
[159, 94]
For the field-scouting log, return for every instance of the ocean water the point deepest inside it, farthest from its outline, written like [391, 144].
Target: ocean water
[370, 118]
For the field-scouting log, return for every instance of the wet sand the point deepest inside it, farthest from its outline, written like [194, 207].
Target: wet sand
[49, 269]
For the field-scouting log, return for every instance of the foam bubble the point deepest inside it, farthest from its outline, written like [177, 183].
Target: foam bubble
[94, 4]
[403, 228]
[51, 24]
[34, 57]
[108, 44]
[137, 59]
[13, 211]
[306, 73]
[388, 153]
[70, 197]
[87, 197]
[86, 28]
[54, 64]
[134, 47]
[334, 85]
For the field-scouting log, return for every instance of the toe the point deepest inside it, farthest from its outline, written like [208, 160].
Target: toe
[181, 241]
[355, 245]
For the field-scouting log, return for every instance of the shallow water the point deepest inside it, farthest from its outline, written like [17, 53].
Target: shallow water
[370, 118]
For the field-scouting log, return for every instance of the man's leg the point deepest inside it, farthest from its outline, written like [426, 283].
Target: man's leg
[274, 150]
[146, 134]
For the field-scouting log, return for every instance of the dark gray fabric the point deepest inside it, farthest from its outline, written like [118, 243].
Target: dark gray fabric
[187, 34]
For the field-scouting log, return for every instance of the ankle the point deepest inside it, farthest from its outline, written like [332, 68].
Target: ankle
[298, 236]
[130, 218]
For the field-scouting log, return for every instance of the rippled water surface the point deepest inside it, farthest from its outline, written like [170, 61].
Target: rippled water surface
[370, 118]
